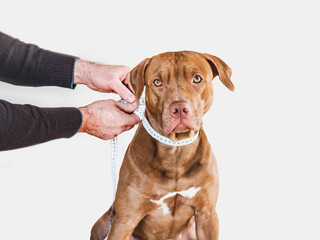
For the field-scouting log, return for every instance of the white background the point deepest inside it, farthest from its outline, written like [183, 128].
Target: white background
[265, 135]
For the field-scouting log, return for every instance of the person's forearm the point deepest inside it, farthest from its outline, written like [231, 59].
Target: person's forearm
[26, 125]
[28, 65]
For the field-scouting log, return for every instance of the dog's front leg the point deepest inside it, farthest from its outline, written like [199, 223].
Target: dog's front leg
[123, 227]
[207, 225]
[128, 214]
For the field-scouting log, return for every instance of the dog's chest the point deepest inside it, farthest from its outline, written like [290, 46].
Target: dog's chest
[170, 212]
[168, 203]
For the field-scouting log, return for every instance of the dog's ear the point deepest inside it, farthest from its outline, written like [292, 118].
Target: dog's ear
[136, 78]
[220, 68]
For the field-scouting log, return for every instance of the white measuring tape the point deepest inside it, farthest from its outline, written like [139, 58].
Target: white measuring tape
[153, 133]
[114, 150]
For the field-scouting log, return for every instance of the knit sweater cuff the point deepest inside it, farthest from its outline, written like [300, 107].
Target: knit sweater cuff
[68, 121]
[57, 69]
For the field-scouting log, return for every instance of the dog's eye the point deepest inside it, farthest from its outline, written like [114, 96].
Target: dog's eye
[157, 82]
[197, 79]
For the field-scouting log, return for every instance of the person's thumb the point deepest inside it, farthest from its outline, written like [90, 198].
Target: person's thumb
[124, 92]
[127, 107]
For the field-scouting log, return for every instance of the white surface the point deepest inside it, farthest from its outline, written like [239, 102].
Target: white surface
[265, 135]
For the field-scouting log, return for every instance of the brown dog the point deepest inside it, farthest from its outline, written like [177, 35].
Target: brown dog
[162, 188]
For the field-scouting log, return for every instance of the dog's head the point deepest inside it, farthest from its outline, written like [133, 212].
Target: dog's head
[178, 88]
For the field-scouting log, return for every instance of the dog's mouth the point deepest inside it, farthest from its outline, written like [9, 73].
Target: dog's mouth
[181, 128]
[182, 131]
[175, 126]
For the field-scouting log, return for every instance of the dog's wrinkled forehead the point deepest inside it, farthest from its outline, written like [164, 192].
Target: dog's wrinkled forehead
[174, 66]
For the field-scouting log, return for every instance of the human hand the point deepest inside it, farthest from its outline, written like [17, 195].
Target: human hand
[103, 78]
[107, 118]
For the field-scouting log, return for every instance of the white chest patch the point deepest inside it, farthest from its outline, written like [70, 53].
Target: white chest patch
[189, 193]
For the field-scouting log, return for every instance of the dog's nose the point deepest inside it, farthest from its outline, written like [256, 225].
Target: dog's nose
[180, 109]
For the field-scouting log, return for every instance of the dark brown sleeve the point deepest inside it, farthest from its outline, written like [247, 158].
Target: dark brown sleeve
[28, 65]
[26, 125]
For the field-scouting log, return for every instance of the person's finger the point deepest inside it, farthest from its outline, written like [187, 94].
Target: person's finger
[107, 137]
[125, 72]
[128, 127]
[126, 83]
[131, 119]
[126, 80]
[123, 91]
[125, 128]
[128, 107]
